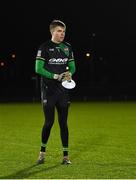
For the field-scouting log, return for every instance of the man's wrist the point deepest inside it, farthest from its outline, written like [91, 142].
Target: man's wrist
[55, 76]
[70, 73]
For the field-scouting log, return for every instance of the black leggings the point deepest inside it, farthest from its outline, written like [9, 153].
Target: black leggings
[61, 105]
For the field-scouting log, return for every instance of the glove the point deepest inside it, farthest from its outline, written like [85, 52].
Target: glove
[63, 76]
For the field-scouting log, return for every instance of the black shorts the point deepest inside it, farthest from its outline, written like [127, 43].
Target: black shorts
[52, 95]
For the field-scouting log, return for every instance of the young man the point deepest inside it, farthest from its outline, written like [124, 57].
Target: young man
[55, 63]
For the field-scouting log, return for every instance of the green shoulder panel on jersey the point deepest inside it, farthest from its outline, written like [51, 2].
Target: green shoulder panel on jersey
[65, 47]
[68, 44]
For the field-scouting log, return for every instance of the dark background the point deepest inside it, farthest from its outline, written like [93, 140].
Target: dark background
[105, 29]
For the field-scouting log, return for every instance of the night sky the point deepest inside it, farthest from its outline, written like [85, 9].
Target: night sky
[105, 29]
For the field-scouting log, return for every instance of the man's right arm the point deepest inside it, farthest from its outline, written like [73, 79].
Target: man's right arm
[40, 69]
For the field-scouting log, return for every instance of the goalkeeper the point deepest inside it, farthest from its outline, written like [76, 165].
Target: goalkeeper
[55, 63]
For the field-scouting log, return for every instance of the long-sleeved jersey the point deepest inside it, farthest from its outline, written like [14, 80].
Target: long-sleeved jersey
[53, 58]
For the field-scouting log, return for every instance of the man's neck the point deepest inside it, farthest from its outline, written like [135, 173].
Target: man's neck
[55, 41]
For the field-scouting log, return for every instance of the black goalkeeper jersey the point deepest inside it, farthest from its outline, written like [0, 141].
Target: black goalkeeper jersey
[56, 58]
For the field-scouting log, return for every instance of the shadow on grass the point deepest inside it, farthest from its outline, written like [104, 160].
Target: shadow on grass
[31, 170]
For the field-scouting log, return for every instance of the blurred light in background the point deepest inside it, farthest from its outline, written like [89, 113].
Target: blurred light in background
[13, 56]
[87, 54]
[2, 64]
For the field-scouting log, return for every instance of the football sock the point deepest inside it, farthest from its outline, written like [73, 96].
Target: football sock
[65, 151]
[43, 147]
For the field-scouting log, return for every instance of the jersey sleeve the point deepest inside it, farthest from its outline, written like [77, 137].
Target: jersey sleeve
[40, 64]
[40, 69]
[71, 56]
[71, 61]
[40, 53]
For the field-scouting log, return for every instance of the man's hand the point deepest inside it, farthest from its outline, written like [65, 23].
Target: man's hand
[63, 76]
[67, 76]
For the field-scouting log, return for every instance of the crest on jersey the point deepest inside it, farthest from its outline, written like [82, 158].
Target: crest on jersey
[66, 49]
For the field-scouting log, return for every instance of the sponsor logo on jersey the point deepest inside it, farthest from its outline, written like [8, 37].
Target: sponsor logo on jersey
[58, 61]
[39, 53]
[51, 49]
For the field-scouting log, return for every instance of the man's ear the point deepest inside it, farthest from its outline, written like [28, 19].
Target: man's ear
[51, 31]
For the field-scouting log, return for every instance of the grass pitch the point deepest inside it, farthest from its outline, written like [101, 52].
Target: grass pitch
[102, 142]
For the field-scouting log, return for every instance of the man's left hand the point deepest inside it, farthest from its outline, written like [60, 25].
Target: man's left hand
[67, 76]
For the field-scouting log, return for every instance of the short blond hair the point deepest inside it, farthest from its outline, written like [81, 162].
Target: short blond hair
[56, 23]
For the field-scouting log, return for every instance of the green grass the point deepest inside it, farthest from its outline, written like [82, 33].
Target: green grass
[102, 142]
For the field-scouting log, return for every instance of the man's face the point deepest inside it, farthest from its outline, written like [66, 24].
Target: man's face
[58, 34]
